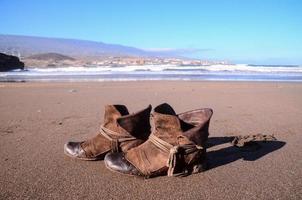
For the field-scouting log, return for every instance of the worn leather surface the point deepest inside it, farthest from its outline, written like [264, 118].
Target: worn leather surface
[195, 124]
[117, 162]
[185, 128]
[74, 149]
[117, 119]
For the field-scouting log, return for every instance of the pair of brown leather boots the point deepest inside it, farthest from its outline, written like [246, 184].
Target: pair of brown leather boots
[148, 144]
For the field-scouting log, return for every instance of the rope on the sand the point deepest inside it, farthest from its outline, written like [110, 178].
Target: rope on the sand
[243, 140]
[114, 138]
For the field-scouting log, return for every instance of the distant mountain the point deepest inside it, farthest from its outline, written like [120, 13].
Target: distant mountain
[50, 56]
[25, 46]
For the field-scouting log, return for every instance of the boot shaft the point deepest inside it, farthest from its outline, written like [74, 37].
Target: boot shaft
[118, 119]
[168, 126]
[137, 124]
[195, 125]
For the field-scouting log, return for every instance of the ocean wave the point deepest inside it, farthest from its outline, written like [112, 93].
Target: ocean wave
[170, 68]
[158, 72]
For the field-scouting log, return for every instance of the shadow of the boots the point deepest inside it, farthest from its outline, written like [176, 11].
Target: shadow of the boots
[251, 152]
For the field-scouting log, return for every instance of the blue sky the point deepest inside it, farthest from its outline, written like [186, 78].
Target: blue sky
[242, 31]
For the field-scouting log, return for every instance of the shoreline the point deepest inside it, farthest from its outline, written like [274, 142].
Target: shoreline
[238, 72]
[147, 80]
[152, 82]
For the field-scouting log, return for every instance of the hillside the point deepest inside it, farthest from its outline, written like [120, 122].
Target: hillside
[25, 46]
[50, 56]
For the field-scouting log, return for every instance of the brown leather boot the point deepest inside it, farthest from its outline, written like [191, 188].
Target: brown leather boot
[176, 145]
[120, 131]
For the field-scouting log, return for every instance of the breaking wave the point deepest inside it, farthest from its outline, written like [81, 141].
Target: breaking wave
[159, 68]
[160, 72]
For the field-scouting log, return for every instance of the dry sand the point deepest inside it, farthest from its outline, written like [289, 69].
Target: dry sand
[36, 119]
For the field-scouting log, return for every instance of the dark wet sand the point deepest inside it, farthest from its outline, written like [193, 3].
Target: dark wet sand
[36, 119]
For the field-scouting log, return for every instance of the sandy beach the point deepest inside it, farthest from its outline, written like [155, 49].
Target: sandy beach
[36, 119]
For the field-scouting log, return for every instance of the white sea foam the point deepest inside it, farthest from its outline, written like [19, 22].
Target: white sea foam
[160, 68]
[159, 72]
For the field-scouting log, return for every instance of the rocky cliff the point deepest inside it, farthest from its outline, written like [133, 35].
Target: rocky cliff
[8, 62]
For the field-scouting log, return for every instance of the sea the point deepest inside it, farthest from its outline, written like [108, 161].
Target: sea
[234, 72]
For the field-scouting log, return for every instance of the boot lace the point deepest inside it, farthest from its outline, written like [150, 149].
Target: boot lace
[114, 138]
[174, 152]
